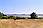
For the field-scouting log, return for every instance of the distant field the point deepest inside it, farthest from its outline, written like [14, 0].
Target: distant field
[22, 23]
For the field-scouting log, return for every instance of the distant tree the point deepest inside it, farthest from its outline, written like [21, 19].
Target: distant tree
[33, 15]
[11, 17]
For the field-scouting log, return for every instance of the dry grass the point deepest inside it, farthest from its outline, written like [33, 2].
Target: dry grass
[28, 23]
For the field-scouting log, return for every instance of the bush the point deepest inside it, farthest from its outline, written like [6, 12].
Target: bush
[20, 18]
[11, 17]
[3, 17]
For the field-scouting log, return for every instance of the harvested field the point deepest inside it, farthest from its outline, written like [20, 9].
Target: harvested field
[24, 23]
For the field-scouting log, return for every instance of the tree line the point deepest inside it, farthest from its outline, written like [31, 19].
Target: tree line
[33, 16]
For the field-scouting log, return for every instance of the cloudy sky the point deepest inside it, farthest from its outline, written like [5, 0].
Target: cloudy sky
[21, 6]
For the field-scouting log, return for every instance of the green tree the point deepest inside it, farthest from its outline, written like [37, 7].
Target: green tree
[1, 15]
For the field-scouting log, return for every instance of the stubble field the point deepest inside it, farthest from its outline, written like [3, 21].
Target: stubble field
[22, 23]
